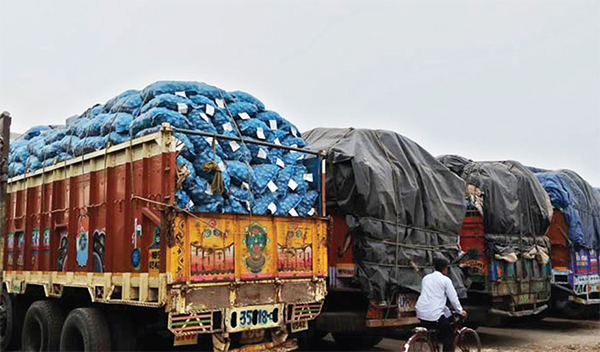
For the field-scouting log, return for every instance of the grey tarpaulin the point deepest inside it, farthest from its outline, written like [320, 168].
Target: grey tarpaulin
[515, 205]
[403, 206]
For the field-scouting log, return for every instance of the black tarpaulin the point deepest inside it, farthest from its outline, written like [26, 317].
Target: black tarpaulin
[403, 206]
[515, 205]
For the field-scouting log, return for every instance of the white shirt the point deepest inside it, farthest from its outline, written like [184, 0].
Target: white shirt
[435, 288]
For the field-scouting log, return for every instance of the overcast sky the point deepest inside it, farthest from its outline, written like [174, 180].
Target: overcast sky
[488, 80]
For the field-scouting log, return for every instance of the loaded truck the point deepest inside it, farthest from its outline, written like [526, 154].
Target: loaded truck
[96, 253]
[394, 208]
[504, 237]
[574, 234]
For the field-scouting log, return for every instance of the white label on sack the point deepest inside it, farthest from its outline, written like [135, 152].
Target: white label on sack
[262, 154]
[294, 132]
[301, 157]
[247, 203]
[294, 145]
[210, 110]
[311, 212]
[204, 117]
[181, 94]
[272, 186]
[308, 177]
[189, 205]
[244, 116]
[293, 212]
[209, 140]
[222, 166]
[280, 163]
[260, 133]
[273, 124]
[220, 103]
[182, 108]
[245, 185]
[209, 191]
[276, 141]
[227, 126]
[272, 207]
[292, 185]
[234, 145]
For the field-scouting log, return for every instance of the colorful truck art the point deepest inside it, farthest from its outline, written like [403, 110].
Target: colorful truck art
[226, 249]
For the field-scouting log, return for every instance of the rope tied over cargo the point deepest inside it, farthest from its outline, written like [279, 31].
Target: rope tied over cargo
[217, 185]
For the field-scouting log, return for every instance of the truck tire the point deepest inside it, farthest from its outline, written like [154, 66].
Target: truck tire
[11, 321]
[85, 330]
[42, 326]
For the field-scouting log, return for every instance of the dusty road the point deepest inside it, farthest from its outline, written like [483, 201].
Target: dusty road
[548, 335]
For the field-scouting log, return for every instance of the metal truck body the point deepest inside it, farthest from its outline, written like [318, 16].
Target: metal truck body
[103, 227]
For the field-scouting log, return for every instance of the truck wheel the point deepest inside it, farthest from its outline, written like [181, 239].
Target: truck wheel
[11, 321]
[41, 329]
[85, 330]
[356, 341]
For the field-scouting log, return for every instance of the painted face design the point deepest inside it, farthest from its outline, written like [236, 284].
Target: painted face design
[255, 240]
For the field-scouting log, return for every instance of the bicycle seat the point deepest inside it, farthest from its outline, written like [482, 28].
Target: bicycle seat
[420, 329]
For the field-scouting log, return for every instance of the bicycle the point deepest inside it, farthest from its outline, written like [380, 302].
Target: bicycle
[425, 340]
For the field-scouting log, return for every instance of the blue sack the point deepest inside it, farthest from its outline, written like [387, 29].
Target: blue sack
[16, 169]
[263, 174]
[182, 200]
[292, 141]
[201, 101]
[67, 144]
[240, 172]
[89, 145]
[247, 98]
[287, 205]
[261, 205]
[36, 144]
[201, 144]
[308, 203]
[115, 138]
[119, 98]
[33, 163]
[199, 123]
[255, 128]
[167, 101]
[234, 206]
[118, 123]
[157, 116]
[127, 104]
[34, 132]
[55, 135]
[235, 109]
[49, 151]
[20, 155]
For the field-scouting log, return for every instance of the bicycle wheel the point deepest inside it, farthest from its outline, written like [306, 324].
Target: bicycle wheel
[467, 340]
[419, 342]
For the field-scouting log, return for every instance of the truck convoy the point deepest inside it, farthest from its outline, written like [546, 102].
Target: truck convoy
[116, 241]
[395, 208]
[505, 240]
[575, 237]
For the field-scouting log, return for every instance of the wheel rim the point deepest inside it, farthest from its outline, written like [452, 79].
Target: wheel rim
[468, 341]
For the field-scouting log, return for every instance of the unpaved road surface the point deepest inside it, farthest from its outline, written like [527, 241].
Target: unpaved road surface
[548, 335]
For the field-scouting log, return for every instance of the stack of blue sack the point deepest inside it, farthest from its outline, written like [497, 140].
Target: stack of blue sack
[253, 179]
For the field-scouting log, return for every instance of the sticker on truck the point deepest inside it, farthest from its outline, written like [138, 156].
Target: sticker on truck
[254, 317]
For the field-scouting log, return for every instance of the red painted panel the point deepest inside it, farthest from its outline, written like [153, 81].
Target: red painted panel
[473, 243]
[337, 252]
[88, 223]
[558, 232]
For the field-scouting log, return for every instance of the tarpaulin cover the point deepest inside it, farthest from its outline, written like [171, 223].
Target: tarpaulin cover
[515, 205]
[403, 207]
[576, 198]
[258, 179]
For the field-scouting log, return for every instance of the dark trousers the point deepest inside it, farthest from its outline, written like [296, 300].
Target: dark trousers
[445, 332]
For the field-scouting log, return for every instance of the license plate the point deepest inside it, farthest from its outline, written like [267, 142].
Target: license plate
[254, 317]
[298, 326]
[406, 302]
[185, 340]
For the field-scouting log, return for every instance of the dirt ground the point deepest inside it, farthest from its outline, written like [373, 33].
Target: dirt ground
[547, 335]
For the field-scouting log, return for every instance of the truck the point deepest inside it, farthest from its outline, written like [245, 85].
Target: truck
[96, 254]
[394, 208]
[574, 234]
[504, 238]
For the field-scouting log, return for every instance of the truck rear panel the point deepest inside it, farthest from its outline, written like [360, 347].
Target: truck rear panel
[104, 222]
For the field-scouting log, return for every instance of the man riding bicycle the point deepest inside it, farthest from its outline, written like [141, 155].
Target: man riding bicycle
[436, 289]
